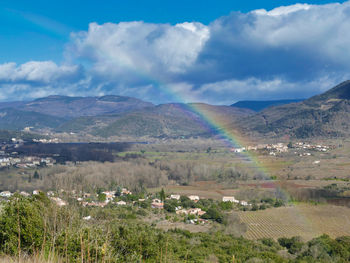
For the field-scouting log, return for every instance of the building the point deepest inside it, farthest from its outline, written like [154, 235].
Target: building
[59, 201]
[230, 199]
[121, 203]
[109, 195]
[6, 194]
[195, 211]
[176, 197]
[244, 203]
[194, 198]
[156, 203]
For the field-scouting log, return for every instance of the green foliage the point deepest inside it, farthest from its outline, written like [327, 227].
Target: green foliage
[36, 175]
[294, 244]
[116, 235]
[170, 205]
[162, 195]
[185, 202]
[102, 197]
[214, 214]
[118, 191]
[21, 225]
[226, 205]
[278, 203]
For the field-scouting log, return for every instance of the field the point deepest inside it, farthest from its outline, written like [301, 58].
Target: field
[307, 221]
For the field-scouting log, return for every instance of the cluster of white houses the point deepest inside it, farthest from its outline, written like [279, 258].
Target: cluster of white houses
[272, 148]
[232, 199]
[50, 194]
[313, 147]
[25, 162]
[277, 148]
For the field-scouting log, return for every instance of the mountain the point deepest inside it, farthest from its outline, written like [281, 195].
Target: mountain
[324, 115]
[165, 120]
[259, 105]
[71, 107]
[13, 119]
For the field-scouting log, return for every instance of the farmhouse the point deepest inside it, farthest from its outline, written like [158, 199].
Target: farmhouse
[157, 205]
[176, 197]
[6, 194]
[230, 199]
[194, 198]
[244, 203]
[59, 201]
[121, 203]
[126, 192]
[109, 195]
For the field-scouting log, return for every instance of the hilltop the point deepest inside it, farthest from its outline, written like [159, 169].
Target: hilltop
[259, 105]
[71, 107]
[325, 115]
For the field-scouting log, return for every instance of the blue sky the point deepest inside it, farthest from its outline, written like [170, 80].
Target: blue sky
[211, 51]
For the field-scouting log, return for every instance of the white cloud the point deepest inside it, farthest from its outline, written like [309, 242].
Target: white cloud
[140, 48]
[291, 51]
[282, 10]
[36, 71]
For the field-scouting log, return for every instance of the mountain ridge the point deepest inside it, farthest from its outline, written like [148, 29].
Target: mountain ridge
[259, 105]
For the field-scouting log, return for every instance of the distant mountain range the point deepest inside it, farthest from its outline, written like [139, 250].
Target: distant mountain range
[70, 107]
[110, 116]
[325, 115]
[259, 105]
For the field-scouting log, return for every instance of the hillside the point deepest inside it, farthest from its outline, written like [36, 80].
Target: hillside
[166, 120]
[71, 107]
[259, 105]
[13, 119]
[325, 115]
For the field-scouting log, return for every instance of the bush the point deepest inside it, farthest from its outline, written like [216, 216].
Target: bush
[294, 244]
[214, 214]
[22, 225]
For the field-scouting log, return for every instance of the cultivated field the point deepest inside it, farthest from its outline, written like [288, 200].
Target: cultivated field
[307, 221]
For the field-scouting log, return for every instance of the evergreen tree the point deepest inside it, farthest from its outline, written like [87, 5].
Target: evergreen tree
[36, 175]
[162, 195]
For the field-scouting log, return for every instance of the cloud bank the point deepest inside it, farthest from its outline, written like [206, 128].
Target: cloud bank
[288, 52]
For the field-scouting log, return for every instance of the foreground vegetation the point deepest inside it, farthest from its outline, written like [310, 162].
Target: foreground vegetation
[35, 227]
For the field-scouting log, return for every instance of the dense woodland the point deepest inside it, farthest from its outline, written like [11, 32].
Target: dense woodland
[73, 152]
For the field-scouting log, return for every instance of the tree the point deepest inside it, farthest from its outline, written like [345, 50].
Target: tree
[214, 214]
[36, 175]
[102, 197]
[162, 195]
[118, 192]
[169, 207]
[293, 244]
[22, 225]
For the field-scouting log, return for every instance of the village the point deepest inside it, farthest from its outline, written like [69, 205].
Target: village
[9, 157]
[300, 148]
[193, 208]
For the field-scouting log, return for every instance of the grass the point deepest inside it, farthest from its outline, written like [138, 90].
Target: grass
[304, 220]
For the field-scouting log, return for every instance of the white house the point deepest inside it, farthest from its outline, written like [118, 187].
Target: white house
[244, 203]
[6, 194]
[59, 201]
[176, 197]
[193, 197]
[230, 199]
[121, 203]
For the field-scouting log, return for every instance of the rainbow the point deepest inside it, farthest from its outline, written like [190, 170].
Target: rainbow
[215, 125]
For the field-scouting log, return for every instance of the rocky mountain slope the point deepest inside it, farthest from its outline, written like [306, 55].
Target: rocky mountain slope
[325, 115]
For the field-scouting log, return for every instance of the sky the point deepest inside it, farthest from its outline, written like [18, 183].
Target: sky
[216, 52]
